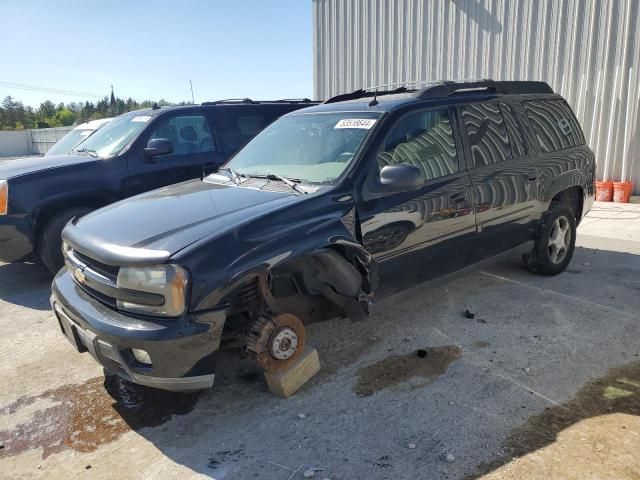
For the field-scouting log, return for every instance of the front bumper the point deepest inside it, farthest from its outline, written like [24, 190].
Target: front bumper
[16, 240]
[181, 350]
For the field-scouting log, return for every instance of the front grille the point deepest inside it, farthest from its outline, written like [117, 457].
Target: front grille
[108, 270]
[96, 278]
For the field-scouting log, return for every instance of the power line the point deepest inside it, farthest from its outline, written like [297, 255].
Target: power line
[57, 91]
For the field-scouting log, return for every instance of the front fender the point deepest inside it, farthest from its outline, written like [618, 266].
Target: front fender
[272, 249]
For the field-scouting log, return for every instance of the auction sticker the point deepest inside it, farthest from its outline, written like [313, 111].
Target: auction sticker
[141, 118]
[365, 123]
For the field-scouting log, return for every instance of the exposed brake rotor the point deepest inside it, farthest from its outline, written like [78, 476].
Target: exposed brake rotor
[277, 342]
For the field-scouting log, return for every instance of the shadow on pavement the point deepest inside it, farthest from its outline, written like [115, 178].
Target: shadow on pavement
[616, 392]
[26, 284]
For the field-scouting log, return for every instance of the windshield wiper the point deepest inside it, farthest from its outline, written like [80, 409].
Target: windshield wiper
[289, 181]
[93, 153]
[234, 175]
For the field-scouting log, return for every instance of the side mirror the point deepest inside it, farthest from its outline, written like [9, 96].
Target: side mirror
[401, 177]
[158, 146]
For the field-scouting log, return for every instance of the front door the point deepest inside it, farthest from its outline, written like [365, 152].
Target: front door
[425, 233]
[195, 152]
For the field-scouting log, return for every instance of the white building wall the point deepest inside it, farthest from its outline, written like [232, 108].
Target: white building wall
[587, 50]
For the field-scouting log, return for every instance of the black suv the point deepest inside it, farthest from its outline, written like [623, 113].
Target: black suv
[323, 209]
[134, 153]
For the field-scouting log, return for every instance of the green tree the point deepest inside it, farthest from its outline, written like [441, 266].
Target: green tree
[65, 117]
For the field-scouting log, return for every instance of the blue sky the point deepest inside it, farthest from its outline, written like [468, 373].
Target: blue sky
[150, 50]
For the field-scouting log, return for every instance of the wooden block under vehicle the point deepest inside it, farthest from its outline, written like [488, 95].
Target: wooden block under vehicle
[288, 382]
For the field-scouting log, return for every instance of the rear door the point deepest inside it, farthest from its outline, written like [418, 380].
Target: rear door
[195, 152]
[502, 175]
[419, 235]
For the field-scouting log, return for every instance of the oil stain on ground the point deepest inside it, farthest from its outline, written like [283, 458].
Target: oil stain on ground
[82, 417]
[400, 368]
[617, 392]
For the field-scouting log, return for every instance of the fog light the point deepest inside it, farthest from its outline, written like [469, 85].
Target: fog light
[141, 356]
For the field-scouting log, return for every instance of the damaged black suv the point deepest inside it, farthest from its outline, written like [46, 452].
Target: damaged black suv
[325, 210]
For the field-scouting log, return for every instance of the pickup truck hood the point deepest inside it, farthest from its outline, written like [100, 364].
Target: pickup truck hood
[153, 226]
[21, 166]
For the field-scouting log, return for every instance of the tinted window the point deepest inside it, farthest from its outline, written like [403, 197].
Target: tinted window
[487, 133]
[238, 125]
[423, 139]
[554, 124]
[187, 134]
[515, 130]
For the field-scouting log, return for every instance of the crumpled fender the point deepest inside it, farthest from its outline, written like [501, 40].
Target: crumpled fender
[256, 248]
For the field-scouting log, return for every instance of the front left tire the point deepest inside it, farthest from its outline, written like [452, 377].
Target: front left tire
[50, 239]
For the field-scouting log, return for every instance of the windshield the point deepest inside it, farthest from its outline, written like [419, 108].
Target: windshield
[311, 147]
[70, 141]
[115, 135]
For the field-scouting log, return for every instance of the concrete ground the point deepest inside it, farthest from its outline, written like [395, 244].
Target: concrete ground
[544, 382]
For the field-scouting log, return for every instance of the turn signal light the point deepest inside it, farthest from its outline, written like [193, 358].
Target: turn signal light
[4, 197]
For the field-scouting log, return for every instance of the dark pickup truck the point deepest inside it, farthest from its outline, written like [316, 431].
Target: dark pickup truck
[323, 211]
[134, 153]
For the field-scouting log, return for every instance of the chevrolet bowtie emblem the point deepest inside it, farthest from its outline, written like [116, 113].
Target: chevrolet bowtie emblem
[79, 275]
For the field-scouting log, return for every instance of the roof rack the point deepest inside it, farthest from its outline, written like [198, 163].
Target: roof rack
[249, 101]
[446, 88]
[229, 100]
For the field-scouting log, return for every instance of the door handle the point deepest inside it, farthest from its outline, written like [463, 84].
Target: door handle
[457, 199]
[532, 177]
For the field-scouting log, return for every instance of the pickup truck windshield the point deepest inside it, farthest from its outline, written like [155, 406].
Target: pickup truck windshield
[310, 147]
[115, 135]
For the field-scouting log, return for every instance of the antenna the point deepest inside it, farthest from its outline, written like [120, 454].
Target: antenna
[191, 85]
[374, 102]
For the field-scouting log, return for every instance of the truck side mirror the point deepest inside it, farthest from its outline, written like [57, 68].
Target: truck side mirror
[158, 146]
[401, 177]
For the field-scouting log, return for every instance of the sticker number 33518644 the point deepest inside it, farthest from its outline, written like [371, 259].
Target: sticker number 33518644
[365, 123]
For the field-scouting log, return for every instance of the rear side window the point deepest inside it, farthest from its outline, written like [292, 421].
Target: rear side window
[515, 131]
[239, 124]
[423, 139]
[487, 133]
[554, 124]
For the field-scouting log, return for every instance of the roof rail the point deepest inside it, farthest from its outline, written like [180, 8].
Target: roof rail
[444, 88]
[294, 100]
[447, 88]
[229, 100]
[249, 101]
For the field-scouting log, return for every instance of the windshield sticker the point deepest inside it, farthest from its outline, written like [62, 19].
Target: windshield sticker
[365, 123]
[141, 118]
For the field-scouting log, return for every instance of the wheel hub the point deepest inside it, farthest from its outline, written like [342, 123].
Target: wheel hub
[283, 343]
[559, 240]
[276, 342]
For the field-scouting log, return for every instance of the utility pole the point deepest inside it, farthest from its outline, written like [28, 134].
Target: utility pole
[191, 85]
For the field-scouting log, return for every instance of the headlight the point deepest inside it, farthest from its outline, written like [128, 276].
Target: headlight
[4, 197]
[167, 281]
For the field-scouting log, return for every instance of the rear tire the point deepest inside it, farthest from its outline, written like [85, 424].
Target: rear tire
[555, 241]
[50, 239]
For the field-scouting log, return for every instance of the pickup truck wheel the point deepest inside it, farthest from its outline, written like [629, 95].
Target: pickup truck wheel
[50, 240]
[554, 243]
